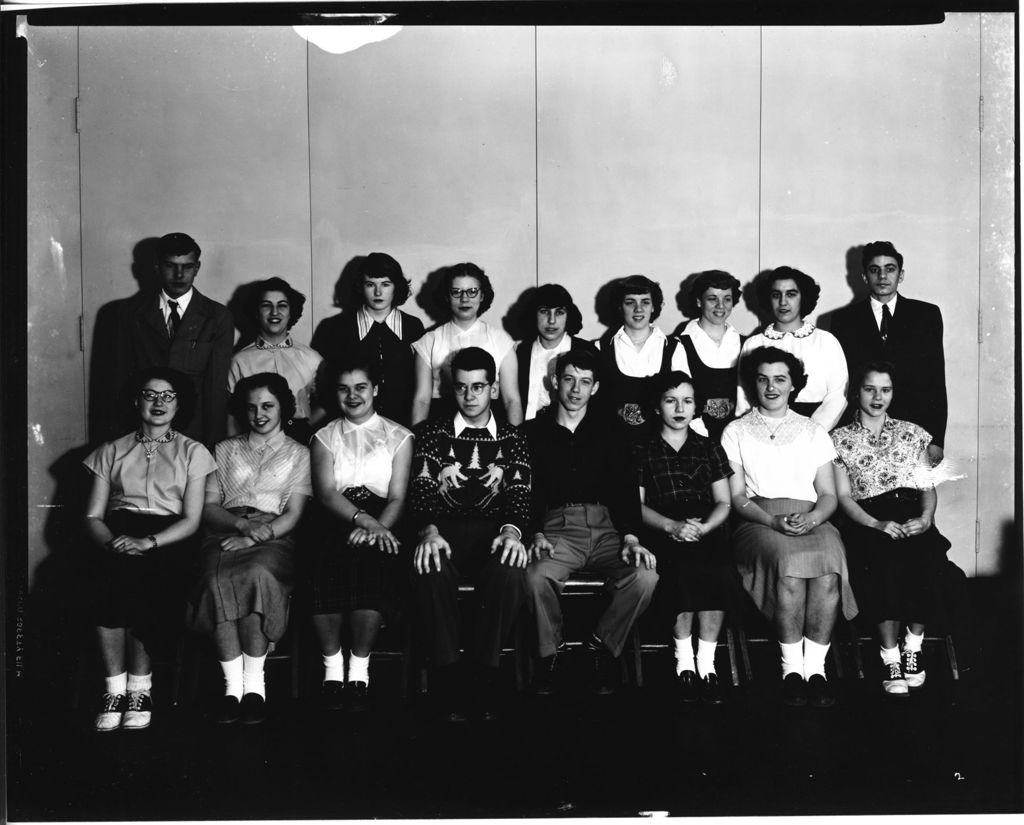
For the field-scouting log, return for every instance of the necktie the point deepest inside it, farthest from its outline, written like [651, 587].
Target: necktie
[173, 319]
[886, 318]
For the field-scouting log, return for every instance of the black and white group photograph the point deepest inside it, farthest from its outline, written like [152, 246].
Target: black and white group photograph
[550, 410]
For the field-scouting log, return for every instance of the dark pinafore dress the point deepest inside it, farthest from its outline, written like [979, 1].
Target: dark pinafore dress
[717, 385]
[628, 397]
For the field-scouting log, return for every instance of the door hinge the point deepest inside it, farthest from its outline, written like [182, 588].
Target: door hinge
[980, 337]
[78, 115]
[981, 113]
[977, 536]
[81, 333]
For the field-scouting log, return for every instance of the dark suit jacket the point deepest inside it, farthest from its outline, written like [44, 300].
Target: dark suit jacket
[914, 347]
[201, 349]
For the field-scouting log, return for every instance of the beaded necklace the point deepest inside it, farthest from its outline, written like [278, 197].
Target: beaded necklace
[150, 445]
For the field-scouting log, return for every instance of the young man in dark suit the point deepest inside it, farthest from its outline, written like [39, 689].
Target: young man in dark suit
[180, 328]
[905, 332]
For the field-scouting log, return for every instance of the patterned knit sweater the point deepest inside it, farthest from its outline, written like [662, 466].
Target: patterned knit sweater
[472, 474]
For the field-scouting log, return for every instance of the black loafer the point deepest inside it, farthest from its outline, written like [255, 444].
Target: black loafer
[356, 697]
[228, 711]
[254, 710]
[689, 687]
[711, 690]
[794, 691]
[819, 692]
[332, 695]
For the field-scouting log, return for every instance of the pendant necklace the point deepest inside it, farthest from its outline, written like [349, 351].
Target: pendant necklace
[150, 445]
[771, 432]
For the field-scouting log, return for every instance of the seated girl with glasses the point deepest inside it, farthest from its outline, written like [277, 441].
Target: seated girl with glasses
[143, 511]
[466, 294]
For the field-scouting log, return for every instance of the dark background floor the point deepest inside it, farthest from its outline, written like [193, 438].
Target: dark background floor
[954, 748]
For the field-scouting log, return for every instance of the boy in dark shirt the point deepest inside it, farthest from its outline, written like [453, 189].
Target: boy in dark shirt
[585, 516]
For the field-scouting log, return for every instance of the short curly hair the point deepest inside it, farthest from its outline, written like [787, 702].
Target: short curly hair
[553, 295]
[875, 248]
[663, 382]
[862, 370]
[180, 383]
[772, 355]
[381, 265]
[276, 384]
[639, 285]
[296, 300]
[442, 294]
[809, 289]
[712, 279]
[330, 370]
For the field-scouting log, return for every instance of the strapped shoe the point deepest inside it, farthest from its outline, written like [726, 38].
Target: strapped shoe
[819, 692]
[913, 668]
[689, 687]
[711, 689]
[110, 717]
[794, 690]
[140, 711]
[893, 683]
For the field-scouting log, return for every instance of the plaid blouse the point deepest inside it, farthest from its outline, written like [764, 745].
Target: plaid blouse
[668, 476]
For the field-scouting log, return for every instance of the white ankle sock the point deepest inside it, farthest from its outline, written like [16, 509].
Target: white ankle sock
[334, 667]
[890, 655]
[117, 684]
[705, 657]
[358, 668]
[252, 674]
[912, 642]
[814, 658]
[140, 683]
[792, 658]
[684, 654]
[232, 677]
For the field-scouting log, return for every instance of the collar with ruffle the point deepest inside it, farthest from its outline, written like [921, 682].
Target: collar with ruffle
[285, 344]
[774, 335]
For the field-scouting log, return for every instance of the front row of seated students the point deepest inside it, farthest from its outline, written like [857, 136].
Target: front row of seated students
[516, 511]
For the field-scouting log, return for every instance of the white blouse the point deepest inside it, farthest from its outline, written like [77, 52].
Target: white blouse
[438, 346]
[639, 363]
[363, 453]
[542, 374]
[779, 456]
[824, 363]
[295, 362]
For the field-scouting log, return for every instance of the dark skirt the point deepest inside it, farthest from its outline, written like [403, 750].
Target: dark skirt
[346, 578]
[144, 593]
[232, 585]
[897, 579]
[693, 576]
[763, 555]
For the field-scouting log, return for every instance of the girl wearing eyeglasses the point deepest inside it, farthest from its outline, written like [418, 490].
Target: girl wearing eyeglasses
[466, 292]
[143, 511]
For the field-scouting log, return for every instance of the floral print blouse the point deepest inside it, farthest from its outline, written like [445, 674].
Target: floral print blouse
[887, 462]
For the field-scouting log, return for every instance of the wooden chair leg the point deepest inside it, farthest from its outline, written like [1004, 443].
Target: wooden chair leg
[730, 643]
[858, 660]
[633, 642]
[837, 660]
[951, 653]
[748, 671]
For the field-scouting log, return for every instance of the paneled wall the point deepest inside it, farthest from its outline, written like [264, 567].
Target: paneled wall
[575, 155]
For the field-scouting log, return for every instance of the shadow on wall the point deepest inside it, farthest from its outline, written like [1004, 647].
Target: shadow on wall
[107, 391]
[56, 607]
[854, 280]
[431, 302]
[518, 321]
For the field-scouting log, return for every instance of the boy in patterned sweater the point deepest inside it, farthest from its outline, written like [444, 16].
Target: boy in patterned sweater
[470, 501]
